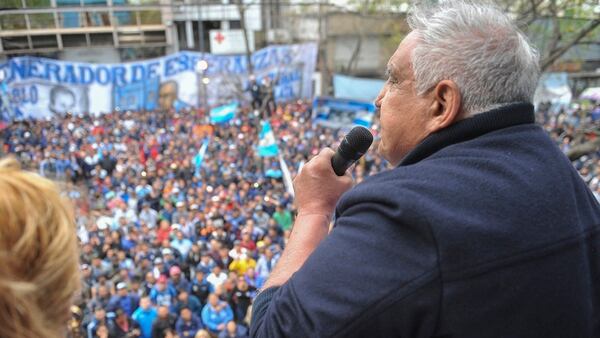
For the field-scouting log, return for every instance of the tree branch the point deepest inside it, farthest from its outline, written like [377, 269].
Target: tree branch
[354, 57]
[527, 17]
[556, 36]
[553, 56]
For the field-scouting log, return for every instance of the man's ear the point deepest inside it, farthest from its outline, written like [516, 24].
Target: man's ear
[446, 106]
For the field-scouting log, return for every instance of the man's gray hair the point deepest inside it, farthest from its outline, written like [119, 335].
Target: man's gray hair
[477, 46]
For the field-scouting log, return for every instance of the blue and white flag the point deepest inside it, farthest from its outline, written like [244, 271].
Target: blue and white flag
[267, 146]
[273, 173]
[223, 113]
[199, 158]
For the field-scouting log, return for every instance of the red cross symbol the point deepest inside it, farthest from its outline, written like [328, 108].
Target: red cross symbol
[219, 37]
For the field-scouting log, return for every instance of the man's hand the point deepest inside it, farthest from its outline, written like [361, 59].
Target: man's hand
[317, 187]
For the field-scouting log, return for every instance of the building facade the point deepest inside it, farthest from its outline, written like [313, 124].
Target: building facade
[112, 31]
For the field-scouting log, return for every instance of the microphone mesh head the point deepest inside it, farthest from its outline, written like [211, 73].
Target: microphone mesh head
[360, 139]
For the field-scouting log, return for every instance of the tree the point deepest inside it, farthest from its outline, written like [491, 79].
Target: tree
[377, 9]
[555, 26]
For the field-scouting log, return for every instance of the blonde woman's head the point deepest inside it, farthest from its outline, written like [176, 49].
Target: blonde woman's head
[202, 334]
[38, 255]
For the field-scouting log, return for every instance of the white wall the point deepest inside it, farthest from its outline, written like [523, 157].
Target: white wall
[368, 58]
[305, 28]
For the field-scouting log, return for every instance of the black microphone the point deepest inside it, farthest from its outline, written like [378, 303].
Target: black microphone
[354, 145]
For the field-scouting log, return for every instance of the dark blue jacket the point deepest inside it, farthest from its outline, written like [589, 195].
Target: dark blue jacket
[128, 303]
[193, 303]
[484, 230]
[188, 329]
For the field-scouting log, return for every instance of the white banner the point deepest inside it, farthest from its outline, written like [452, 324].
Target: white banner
[40, 87]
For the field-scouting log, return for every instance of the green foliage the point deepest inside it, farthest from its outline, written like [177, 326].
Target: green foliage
[150, 17]
[38, 3]
[8, 22]
[44, 20]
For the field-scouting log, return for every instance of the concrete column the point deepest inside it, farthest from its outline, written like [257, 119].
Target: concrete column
[189, 34]
[28, 25]
[59, 40]
[113, 22]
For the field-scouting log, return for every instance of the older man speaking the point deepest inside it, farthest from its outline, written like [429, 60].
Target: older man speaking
[483, 228]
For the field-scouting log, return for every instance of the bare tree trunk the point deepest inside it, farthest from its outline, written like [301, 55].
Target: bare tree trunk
[325, 72]
[353, 62]
[242, 11]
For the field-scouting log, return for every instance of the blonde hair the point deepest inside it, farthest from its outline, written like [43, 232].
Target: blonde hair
[202, 334]
[39, 264]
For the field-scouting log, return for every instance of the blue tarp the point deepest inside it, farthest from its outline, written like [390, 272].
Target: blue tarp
[342, 113]
[356, 88]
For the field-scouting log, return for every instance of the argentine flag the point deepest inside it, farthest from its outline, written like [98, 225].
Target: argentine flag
[267, 146]
[199, 158]
[223, 113]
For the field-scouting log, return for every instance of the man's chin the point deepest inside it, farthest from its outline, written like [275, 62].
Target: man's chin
[394, 161]
[381, 151]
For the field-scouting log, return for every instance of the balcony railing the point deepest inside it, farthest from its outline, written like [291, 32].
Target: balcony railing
[23, 22]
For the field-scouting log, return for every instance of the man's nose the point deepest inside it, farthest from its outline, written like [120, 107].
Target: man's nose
[379, 98]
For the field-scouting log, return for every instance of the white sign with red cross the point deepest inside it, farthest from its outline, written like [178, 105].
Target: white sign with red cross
[230, 41]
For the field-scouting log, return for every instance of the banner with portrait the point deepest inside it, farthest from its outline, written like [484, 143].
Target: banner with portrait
[40, 87]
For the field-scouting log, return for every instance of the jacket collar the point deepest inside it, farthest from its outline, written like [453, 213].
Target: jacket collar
[502, 117]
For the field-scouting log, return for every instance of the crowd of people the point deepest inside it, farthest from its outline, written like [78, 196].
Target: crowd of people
[570, 127]
[173, 243]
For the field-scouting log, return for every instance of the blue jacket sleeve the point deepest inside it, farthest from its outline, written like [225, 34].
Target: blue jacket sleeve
[206, 318]
[228, 313]
[377, 257]
[179, 327]
[90, 330]
[198, 322]
[195, 305]
[153, 295]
